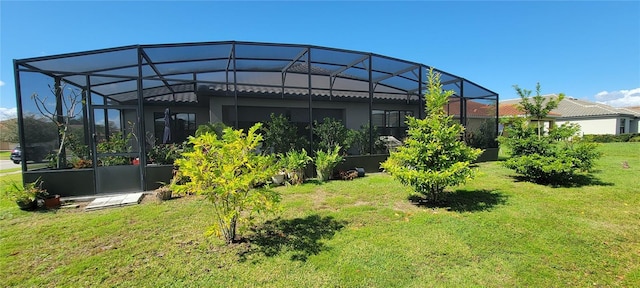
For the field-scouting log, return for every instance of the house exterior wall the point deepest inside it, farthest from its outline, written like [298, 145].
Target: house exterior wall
[594, 126]
[633, 126]
[355, 113]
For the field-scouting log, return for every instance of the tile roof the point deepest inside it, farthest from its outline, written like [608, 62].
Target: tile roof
[571, 107]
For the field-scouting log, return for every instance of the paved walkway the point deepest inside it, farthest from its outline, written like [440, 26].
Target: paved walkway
[115, 201]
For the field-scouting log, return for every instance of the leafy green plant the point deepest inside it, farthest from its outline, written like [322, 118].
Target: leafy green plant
[164, 153]
[433, 156]
[23, 195]
[326, 161]
[116, 143]
[331, 133]
[281, 136]
[215, 128]
[362, 139]
[485, 136]
[294, 163]
[552, 158]
[228, 171]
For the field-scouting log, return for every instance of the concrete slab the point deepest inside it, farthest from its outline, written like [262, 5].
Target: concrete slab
[115, 201]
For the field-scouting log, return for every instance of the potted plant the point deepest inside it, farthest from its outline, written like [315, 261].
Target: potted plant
[279, 177]
[25, 195]
[164, 192]
[164, 154]
[295, 163]
[326, 161]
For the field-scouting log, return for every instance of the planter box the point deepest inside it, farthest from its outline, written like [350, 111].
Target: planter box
[64, 182]
[154, 174]
[370, 163]
[489, 154]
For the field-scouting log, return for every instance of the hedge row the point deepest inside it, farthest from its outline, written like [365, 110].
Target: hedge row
[606, 138]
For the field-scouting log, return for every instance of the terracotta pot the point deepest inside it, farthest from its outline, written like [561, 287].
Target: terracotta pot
[52, 202]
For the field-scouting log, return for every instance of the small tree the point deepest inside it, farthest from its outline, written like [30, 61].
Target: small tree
[433, 155]
[65, 110]
[537, 109]
[227, 171]
[552, 158]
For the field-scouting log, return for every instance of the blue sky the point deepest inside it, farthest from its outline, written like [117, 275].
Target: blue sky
[588, 50]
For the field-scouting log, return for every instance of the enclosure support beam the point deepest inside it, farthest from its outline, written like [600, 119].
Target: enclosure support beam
[142, 157]
[235, 84]
[310, 100]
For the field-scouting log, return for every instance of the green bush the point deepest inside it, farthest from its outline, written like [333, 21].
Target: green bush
[362, 139]
[116, 143]
[433, 156]
[281, 136]
[608, 138]
[227, 170]
[164, 153]
[331, 133]
[552, 158]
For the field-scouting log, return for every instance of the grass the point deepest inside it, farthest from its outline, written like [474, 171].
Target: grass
[495, 231]
[4, 155]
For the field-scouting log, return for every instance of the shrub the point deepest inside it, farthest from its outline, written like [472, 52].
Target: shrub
[116, 143]
[608, 138]
[326, 161]
[164, 153]
[433, 156]
[228, 171]
[552, 158]
[332, 133]
[362, 140]
[281, 136]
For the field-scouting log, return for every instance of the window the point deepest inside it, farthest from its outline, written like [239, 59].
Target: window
[390, 118]
[182, 126]
[623, 123]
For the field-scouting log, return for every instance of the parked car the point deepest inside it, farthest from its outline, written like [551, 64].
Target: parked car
[35, 154]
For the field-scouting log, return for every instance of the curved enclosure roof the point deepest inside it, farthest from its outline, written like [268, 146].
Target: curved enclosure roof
[181, 72]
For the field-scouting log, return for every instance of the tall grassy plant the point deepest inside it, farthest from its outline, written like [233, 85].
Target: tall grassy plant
[433, 156]
[294, 163]
[326, 161]
[226, 171]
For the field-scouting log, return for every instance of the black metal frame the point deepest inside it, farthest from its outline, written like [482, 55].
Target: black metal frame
[398, 80]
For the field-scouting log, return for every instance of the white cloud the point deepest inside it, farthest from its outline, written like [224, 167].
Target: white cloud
[1, 83]
[8, 113]
[620, 98]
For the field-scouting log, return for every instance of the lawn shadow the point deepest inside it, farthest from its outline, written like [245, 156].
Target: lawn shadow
[577, 181]
[464, 200]
[302, 236]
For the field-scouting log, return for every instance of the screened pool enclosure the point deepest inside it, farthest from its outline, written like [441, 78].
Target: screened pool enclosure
[89, 120]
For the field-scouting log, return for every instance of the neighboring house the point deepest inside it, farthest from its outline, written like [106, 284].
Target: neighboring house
[593, 118]
[511, 109]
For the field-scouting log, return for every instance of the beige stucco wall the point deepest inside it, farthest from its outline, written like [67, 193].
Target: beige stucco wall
[595, 126]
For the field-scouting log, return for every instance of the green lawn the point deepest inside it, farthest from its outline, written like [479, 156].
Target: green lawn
[495, 232]
[4, 155]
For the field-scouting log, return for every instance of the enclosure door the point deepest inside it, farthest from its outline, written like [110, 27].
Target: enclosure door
[116, 146]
